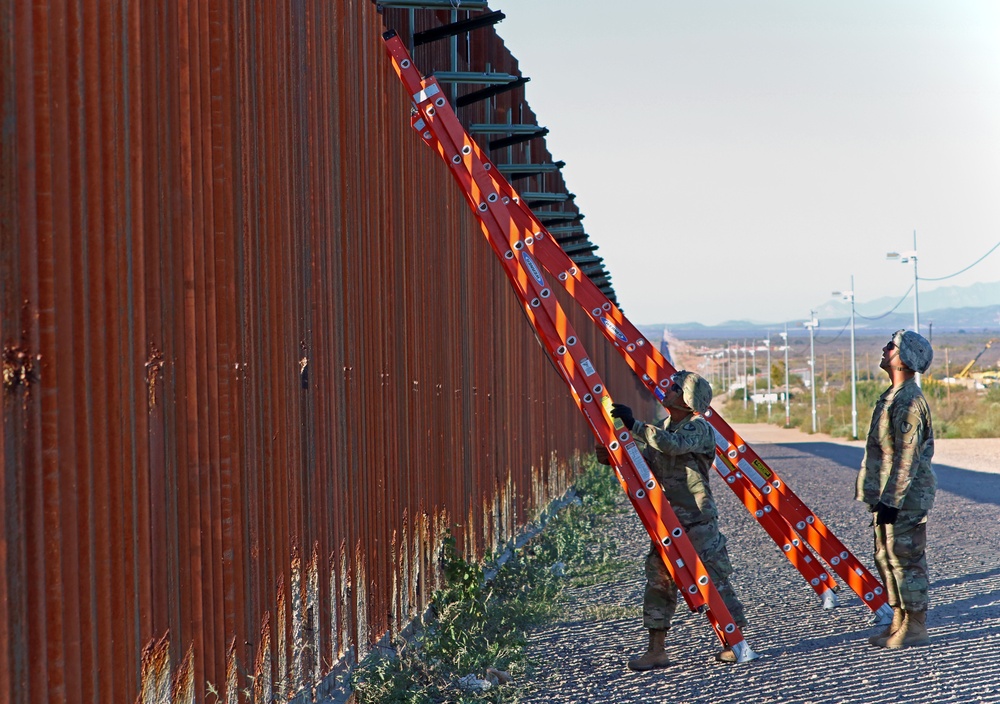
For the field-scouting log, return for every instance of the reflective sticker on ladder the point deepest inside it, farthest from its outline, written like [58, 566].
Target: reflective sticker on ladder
[751, 473]
[721, 466]
[639, 462]
[428, 92]
[720, 441]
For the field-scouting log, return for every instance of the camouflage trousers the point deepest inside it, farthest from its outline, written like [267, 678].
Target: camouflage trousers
[659, 602]
[900, 558]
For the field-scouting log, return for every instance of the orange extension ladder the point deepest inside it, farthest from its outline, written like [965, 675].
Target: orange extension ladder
[525, 248]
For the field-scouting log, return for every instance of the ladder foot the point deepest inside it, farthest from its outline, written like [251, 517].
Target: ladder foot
[830, 600]
[738, 653]
[882, 617]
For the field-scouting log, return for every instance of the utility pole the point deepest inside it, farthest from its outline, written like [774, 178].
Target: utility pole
[745, 385]
[916, 293]
[905, 257]
[849, 296]
[947, 375]
[788, 414]
[811, 325]
[753, 372]
[768, 343]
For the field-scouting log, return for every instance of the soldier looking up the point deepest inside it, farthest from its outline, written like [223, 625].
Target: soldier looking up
[680, 452]
[898, 484]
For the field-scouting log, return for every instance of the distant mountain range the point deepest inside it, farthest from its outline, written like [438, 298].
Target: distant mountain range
[946, 297]
[974, 308]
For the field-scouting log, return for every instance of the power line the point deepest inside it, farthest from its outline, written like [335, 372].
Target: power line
[942, 278]
[827, 342]
[879, 317]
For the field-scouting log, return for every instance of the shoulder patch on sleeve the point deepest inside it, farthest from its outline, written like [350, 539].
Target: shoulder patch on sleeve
[690, 426]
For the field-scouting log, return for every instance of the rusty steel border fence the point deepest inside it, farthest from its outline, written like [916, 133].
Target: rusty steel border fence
[257, 357]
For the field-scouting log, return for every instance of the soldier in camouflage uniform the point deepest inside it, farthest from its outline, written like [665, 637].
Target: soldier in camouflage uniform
[680, 451]
[898, 484]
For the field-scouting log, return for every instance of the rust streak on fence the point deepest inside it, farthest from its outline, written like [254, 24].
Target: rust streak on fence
[257, 357]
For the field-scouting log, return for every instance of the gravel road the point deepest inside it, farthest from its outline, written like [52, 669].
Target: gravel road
[807, 655]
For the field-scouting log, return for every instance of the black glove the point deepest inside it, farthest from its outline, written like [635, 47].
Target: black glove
[885, 515]
[603, 456]
[624, 414]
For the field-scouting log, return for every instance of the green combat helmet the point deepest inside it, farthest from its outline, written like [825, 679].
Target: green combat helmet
[697, 392]
[914, 350]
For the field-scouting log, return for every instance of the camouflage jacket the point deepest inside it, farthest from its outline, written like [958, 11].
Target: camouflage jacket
[680, 455]
[896, 469]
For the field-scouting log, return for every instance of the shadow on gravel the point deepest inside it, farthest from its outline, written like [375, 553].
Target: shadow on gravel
[981, 487]
[843, 455]
[977, 486]
[966, 578]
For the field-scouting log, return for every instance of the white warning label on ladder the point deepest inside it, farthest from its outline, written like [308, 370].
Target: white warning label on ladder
[751, 473]
[428, 92]
[721, 466]
[639, 462]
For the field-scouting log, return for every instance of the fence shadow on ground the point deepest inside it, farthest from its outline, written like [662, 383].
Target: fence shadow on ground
[981, 487]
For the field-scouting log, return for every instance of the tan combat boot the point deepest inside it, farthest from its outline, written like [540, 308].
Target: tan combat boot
[726, 655]
[654, 657]
[897, 621]
[912, 632]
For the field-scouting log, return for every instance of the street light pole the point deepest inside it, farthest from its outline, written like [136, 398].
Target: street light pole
[916, 293]
[812, 324]
[854, 372]
[745, 389]
[727, 369]
[905, 257]
[849, 296]
[768, 343]
[788, 415]
[753, 373]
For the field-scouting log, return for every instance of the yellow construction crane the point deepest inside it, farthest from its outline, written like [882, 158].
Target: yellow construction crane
[965, 370]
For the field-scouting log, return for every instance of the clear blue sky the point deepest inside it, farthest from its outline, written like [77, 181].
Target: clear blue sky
[743, 159]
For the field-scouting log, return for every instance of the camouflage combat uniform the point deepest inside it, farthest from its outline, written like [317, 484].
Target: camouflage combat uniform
[680, 455]
[896, 471]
